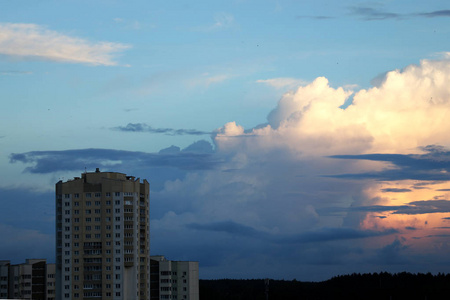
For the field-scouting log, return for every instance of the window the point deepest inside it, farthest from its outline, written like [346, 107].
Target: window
[97, 195]
[97, 236]
[88, 219]
[117, 260]
[76, 220]
[117, 267]
[76, 260]
[76, 195]
[67, 228]
[117, 210]
[108, 235]
[108, 211]
[88, 236]
[117, 251]
[67, 277]
[108, 268]
[97, 211]
[108, 276]
[67, 236]
[66, 244]
[76, 277]
[88, 195]
[76, 228]
[108, 202]
[67, 220]
[97, 227]
[108, 194]
[117, 194]
[67, 261]
[117, 202]
[66, 196]
[108, 227]
[76, 244]
[76, 203]
[76, 269]
[97, 219]
[76, 252]
[108, 243]
[76, 212]
[88, 227]
[67, 212]
[117, 218]
[118, 275]
[117, 226]
[117, 235]
[88, 211]
[108, 259]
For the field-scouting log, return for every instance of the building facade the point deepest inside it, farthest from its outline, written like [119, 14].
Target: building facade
[33, 279]
[176, 280]
[102, 237]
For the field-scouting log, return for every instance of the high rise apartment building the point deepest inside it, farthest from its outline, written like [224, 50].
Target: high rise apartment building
[102, 237]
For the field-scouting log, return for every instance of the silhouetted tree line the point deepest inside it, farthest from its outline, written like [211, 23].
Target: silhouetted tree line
[378, 286]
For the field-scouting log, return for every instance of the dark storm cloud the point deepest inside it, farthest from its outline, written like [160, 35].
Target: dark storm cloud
[372, 14]
[142, 127]
[412, 208]
[435, 14]
[392, 254]
[367, 13]
[79, 159]
[434, 165]
[395, 190]
[322, 235]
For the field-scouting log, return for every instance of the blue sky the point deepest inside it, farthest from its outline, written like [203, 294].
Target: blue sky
[283, 139]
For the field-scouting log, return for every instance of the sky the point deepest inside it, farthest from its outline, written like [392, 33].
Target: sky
[281, 139]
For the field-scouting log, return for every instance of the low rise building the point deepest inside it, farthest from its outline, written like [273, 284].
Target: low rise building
[176, 280]
[33, 279]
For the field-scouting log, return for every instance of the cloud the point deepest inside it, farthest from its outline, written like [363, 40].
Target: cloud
[322, 235]
[316, 191]
[372, 14]
[221, 21]
[436, 14]
[411, 208]
[282, 83]
[14, 73]
[433, 165]
[76, 160]
[206, 79]
[395, 190]
[20, 244]
[32, 41]
[142, 127]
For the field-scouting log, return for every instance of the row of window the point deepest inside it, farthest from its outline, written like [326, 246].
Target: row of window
[96, 195]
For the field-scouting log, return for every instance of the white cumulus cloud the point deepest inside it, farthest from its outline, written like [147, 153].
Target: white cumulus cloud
[38, 42]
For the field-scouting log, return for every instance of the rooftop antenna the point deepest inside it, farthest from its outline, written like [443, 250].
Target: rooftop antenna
[85, 170]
